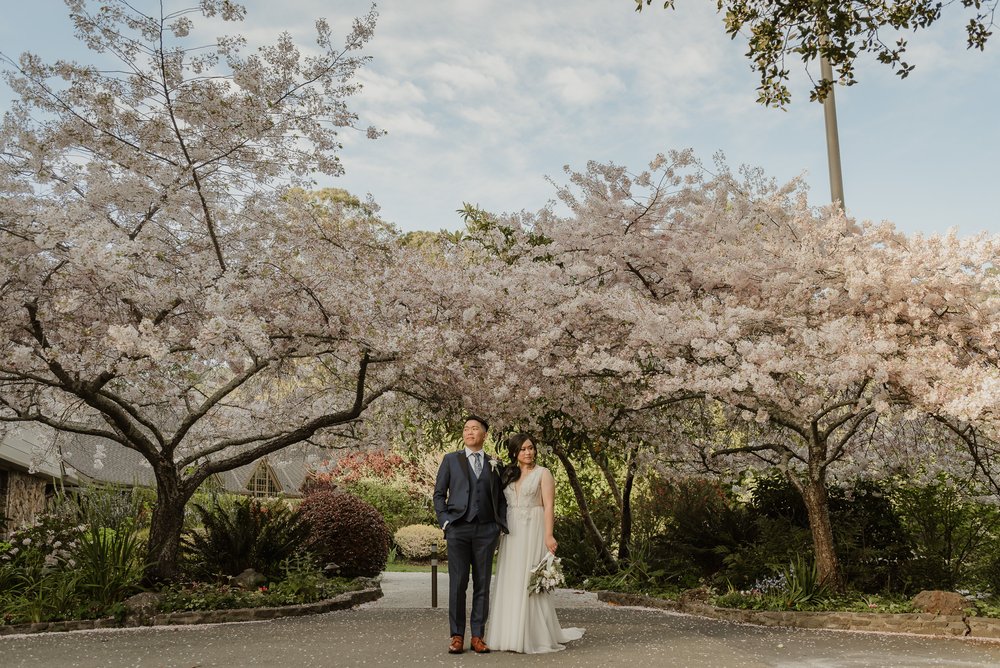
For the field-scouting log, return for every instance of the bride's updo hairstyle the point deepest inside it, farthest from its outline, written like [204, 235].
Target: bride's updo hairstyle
[512, 471]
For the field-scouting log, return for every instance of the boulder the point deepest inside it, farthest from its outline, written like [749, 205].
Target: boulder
[249, 580]
[140, 609]
[940, 602]
[696, 595]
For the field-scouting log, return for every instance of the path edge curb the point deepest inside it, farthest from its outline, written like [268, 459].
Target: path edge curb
[920, 623]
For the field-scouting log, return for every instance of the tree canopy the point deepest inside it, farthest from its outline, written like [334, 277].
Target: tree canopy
[779, 30]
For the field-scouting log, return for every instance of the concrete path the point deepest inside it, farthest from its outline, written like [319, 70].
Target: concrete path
[402, 629]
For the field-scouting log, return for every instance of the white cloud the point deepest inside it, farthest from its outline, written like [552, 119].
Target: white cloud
[583, 85]
[402, 123]
[380, 89]
[484, 116]
[482, 99]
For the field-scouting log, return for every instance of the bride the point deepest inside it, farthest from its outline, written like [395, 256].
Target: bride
[519, 621]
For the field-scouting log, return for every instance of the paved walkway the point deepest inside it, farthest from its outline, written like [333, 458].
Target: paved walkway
[402, 629]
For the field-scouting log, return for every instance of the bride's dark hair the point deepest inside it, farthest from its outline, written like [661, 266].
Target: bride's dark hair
[512, 471]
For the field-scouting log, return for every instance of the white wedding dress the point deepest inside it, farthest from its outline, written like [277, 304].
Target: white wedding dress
[519, 621]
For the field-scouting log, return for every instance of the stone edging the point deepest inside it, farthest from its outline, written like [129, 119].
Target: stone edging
[920, 623]
[341, 602]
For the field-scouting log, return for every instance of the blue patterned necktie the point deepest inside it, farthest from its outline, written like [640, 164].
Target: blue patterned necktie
[477, 463]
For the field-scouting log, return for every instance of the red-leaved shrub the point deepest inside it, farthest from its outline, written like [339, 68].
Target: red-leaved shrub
[347, 531]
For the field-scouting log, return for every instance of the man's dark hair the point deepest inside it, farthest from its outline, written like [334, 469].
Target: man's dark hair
[486, 425]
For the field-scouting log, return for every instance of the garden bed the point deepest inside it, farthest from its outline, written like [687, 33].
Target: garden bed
[341, 602]
[919, 623]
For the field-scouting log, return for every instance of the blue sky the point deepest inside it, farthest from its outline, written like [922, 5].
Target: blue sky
[482, 102]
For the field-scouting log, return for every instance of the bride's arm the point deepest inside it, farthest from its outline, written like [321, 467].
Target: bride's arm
[549, 506]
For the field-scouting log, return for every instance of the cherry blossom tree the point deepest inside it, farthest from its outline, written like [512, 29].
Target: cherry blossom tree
[809, 338]
[810, 330]
[166, 281]
[522, 336]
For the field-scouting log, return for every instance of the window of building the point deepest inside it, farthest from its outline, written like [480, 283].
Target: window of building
[263, 482]
[212, 483]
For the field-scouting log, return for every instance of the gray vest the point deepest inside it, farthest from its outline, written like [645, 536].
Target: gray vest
[480, 500]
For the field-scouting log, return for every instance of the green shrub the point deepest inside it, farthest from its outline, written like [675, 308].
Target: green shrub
[301, 581]
[210, 596]
[576, 549]
[399, 505]
[109, 507]
[242, 533]
[802, 585]
[46, 544]
[873, 545]
[45, 595]
[346, 531]
[706, 533]
[61, 570]
[953, 535]
[636, 576]
[109, 564]
[416, 540]
[217, 596]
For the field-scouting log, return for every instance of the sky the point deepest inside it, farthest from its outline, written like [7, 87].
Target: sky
[485, 101]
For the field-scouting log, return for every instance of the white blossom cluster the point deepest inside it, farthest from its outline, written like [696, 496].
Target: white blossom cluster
[546, 575]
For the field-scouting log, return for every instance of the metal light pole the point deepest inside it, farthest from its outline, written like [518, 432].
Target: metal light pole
[832, 137]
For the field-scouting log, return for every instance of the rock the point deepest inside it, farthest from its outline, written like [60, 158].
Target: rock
[140, 609]
[940, 602]
[697, 595]
[249, 580]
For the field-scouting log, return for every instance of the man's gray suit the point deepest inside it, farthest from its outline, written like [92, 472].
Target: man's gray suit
[475, 511]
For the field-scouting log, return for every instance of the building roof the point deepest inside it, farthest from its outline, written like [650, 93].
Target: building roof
[29, 447]
[91, 458]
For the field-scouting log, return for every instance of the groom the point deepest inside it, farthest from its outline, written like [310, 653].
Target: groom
[472, 511]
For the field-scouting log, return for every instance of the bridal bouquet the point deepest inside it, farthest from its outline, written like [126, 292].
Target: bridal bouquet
[546, 575]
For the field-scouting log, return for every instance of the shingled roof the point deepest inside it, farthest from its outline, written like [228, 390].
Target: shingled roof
[100, 460]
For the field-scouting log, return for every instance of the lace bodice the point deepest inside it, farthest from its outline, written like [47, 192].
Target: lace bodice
[526, 492]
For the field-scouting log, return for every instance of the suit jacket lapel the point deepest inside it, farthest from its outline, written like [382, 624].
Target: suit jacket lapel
[463, 461]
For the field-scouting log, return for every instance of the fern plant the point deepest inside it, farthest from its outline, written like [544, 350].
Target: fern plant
[241, 534]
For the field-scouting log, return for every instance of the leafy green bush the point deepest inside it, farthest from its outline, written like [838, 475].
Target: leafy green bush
[802, 585]
[302, 581]
[579, 557]
[109, 564]
[872, 543]
[416, 540]
[953, 535]
[636, 576]
[218, 596]
[242, 533]
[39, 576]
[45, 595]
[399, 505]
[346, 531]
[109, 507]
[705, 532]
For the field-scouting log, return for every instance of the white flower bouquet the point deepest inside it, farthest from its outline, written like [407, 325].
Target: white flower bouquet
[546, 575]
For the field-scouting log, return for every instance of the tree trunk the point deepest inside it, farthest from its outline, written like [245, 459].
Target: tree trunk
[814, 494]
[588, 522]
[602, 463]
[165, 529]
[625, 543]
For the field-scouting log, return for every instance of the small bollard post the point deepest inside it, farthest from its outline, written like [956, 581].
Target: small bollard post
[434, 575]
